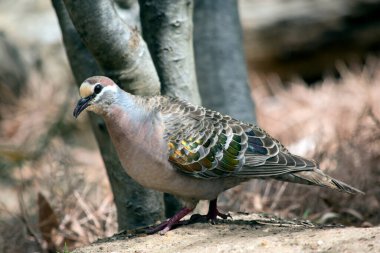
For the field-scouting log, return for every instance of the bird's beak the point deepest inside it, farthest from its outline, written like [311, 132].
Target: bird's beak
[83, 103]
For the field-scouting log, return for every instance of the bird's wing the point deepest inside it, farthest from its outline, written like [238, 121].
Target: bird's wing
[207, 144]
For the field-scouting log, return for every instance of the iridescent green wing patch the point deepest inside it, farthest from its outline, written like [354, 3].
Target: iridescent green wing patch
[207, 144]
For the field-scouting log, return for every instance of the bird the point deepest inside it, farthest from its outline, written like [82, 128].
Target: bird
[172, 146]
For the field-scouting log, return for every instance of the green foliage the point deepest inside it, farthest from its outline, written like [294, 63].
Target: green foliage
[65, 250]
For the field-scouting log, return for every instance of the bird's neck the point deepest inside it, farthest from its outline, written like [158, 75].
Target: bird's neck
[137, 135]
[131, 120]
[127, 113]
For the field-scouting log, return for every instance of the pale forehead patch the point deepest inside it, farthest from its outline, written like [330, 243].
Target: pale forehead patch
[86, 90]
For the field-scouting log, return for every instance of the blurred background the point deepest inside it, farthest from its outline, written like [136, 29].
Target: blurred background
[315, 79]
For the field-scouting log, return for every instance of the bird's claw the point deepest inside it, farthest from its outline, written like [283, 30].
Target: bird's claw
[224, 216]
[213, 218]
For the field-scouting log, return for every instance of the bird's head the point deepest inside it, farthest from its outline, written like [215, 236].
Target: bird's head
[97, 93]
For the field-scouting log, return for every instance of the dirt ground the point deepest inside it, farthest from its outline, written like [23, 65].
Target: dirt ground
[246, 233]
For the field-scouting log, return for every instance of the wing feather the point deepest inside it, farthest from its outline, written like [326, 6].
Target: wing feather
[206, 144]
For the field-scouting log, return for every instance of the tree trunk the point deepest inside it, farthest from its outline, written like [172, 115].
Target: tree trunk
[122, 55]
[219, 57]
[119, 49]
[168, 30]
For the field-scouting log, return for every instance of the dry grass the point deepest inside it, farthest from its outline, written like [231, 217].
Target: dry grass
[54, 190]
[45, 153]
[337, 123]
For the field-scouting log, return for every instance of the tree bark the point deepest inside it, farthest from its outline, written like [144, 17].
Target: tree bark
[119, 49]
[124, 57]
[220, 65]
[129, 12]
[168, 30]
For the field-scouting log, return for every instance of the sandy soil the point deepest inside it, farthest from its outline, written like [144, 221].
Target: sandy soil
[246, 233]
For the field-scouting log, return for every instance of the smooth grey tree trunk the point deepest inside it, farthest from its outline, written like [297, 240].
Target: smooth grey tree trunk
[168, 30]
[122, 55]
[219, 59]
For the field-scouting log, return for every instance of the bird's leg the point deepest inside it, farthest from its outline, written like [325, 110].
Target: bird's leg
[168, 224]
[213, 212]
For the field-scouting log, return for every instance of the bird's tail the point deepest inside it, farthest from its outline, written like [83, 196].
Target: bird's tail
[317, 177]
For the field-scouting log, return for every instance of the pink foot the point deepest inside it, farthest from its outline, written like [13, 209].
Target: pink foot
[168, 224]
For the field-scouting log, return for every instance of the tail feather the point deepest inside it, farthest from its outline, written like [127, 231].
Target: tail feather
[317, 177]
[341, 186]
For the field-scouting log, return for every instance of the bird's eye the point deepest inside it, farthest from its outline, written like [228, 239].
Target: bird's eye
[98, 88]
